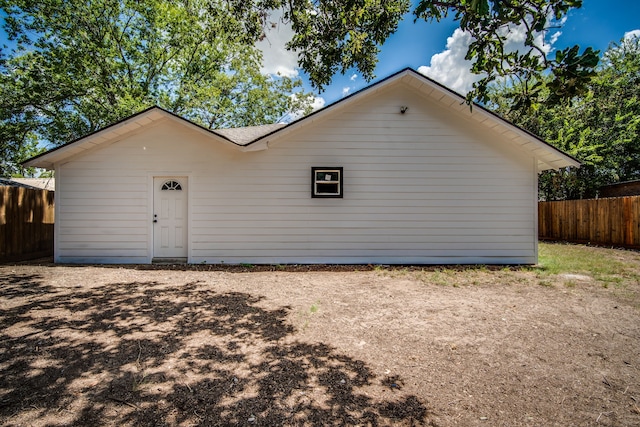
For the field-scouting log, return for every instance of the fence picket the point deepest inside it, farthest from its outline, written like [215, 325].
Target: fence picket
[611, 221]
[26, 223]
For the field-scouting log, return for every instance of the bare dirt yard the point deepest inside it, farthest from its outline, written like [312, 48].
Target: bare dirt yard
[268, 346]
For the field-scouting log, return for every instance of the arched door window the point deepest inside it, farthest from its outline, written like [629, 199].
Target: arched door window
[171, 185]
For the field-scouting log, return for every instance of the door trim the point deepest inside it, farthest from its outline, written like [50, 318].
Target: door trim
[150, 207]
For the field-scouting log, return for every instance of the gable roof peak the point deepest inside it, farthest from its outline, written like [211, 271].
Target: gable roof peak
[252, 138]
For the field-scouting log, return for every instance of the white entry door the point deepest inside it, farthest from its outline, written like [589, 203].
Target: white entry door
[170, 217]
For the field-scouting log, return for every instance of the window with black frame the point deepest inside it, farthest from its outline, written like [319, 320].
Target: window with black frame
[326, 182]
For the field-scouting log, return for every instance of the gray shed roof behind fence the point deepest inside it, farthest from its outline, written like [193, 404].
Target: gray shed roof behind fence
[35, 183]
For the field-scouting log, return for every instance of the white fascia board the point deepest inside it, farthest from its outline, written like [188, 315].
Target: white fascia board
[260, 145]
[552, 157]
[57, 155]
[116, 132]
[516, 134]
[209, 133]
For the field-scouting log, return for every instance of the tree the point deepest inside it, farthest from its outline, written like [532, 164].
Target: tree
[78, 66]
[335, 35]
[601, 128]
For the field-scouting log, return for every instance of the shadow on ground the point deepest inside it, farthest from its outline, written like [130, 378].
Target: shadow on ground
[153, 354]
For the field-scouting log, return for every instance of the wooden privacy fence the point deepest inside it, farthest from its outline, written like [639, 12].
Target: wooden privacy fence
[610, 221]
[26, 223]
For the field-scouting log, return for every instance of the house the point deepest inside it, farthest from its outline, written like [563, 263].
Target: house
[402, 172]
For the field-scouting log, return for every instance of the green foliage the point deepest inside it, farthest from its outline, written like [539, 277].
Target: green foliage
[11, 154]
[79, 66]
[601, 127]
[335, 35]
[489, 23]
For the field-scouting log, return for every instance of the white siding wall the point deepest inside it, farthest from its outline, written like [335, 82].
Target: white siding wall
[423, 187]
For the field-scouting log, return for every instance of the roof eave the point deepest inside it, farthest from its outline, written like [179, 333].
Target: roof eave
[548, 156]
[553, 158]
[48, 159]
[265, 140]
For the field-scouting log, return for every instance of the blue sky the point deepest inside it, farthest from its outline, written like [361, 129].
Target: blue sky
[441, 48]
[596, 24]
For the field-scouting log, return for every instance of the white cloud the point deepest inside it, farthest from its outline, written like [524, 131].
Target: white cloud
[632, 34]
[353, 77]
[450, 67]
[317, 103]
[516, 36]
[345, 91]
[555, 36]
[276, 58]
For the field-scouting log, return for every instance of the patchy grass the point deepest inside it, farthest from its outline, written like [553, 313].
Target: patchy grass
[578, 265]
[564, 265]
[607, 266]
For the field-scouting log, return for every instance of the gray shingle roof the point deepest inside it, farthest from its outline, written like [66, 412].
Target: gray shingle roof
[34, 183]
[245, 135]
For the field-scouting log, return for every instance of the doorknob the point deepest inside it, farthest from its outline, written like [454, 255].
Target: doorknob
[155, 218]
